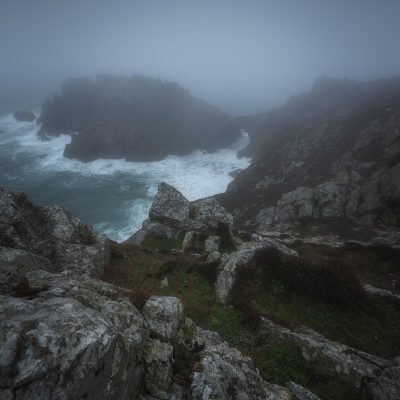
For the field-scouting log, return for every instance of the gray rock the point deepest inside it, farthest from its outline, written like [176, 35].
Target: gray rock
[328, 357]
[300, 393]
[158, 376]
[208, 214]
[212, 243]
[193, 242]
[384, 387]
[226, 373]
[169, 207]
[213, 257]
[230, 264]
[163, 314]
[380, 292]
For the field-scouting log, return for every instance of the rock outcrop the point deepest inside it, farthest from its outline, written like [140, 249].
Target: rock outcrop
[231, 263]
[24, 116]
[63, 333]
[366, 372]
[137, 118]
[204, 225]
[330, 155]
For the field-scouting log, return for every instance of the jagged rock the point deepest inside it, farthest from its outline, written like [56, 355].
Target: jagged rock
[384, 387]
[158, 376]
[169, 207]
[46, 238]
[300, 393]
[136, 118]
[208, 214]
[212, 243]
[331, 154]
[63, 333]
[163, 315]
[229, 265]
[72, 340]
[24, 116]
[328, 357]
[213, 257]
[225, 372]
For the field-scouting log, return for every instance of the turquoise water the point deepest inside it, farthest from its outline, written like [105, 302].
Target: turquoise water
[113, 196]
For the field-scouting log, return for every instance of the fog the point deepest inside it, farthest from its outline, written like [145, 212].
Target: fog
[244, 56]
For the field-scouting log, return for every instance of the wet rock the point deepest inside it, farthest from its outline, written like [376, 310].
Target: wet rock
[163, 314]
[208, 214]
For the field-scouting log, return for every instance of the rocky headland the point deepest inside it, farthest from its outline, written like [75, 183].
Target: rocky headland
[137, 118]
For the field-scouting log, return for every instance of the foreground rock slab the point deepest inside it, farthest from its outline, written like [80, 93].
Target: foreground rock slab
[369, 373]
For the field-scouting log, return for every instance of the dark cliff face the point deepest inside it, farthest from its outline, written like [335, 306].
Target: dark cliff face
[137, 118]
[343, 135]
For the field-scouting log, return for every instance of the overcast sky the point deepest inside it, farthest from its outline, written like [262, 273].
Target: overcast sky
[243, 56]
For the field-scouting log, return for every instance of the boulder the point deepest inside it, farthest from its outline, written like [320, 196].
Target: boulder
[24, 116]
[213, 257]
[169, 207]
[163, 314]
[385, 386]
[212, 243]
[208, 214]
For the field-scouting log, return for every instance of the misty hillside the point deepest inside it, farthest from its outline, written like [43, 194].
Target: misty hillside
[138, 118]
[331, 154]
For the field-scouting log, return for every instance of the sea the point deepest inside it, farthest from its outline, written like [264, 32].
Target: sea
[114, 196]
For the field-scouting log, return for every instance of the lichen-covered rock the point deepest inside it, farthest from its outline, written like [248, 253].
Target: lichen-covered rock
[63, 333]
[213, 257]
[212, 243]
[193, 241]
[169, 207]
[163, 314]
[300, 393]
[225, 373]
[328, 357]
[385, 386]
[208, 214]
[230, 264]
[158, 376]
[72, 340]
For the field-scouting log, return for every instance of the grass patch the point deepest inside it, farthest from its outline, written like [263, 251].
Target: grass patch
[161, 243]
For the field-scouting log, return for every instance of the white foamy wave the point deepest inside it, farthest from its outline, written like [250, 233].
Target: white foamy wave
[196, 175]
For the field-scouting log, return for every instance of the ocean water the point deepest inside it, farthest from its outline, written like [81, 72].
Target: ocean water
[114, 196]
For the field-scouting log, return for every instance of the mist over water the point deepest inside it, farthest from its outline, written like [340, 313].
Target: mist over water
[112, 195]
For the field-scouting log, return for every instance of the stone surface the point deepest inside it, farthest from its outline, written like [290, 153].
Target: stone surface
[384, 387]
[230, 264]
[212, 243]
[169, 207]
[158, 376]
[163, 314]
[300, 393]
[225, 373]
[328, 357]
[213, 257]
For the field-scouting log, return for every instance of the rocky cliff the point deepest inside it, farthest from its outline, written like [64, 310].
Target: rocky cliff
[329, 155]
[65, 334]
[138, 118]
